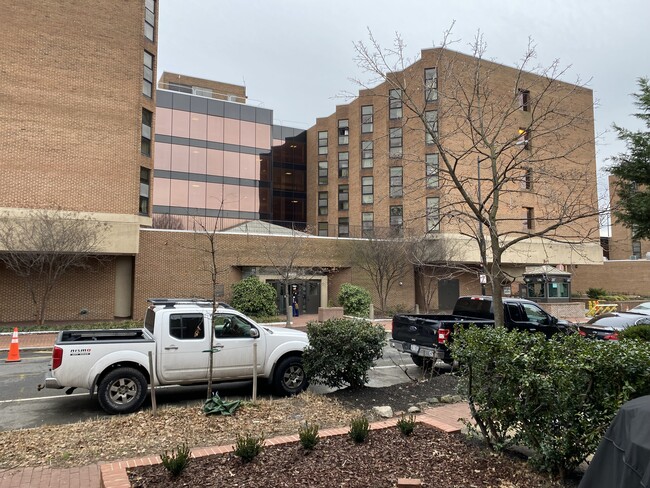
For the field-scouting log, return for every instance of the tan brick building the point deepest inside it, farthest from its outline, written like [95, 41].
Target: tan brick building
[373, 169]
[76, 123]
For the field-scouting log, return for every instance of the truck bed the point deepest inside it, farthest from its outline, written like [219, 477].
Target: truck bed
[105, 335]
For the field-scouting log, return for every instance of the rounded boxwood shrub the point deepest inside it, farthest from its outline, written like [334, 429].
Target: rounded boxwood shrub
[342, 351]
[252, 297]
[354, 300]
[639, 332]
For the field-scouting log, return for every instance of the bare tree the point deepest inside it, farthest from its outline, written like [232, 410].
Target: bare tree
[43, 245]
[383, 255]
[515, 146]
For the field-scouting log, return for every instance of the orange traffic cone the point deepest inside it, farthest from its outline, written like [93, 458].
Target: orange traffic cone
[14, 351]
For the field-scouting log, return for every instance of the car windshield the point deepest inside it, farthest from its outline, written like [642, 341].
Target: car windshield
[616, 320]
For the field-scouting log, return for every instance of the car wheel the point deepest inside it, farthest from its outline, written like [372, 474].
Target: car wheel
[289, 377]
[122, 390]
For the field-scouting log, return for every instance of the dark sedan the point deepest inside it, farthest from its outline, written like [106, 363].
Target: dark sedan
[608, 325]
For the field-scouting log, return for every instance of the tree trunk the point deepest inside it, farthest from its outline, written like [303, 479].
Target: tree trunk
[287, 303]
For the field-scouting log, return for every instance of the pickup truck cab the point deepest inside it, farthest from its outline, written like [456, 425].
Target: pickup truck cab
[425, 337]
[177, 333]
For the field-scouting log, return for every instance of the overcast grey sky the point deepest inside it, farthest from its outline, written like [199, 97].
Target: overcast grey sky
[296, 56]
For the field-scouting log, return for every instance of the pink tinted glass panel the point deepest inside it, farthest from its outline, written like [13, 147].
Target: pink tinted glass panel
[230, 197]
[163, 158]
[198, 161]
[197, 194]
[247, 133]
[181, 123]
[248, 199]
[178, 193]
[263, 136]
[231, 164]
[215, 162]
[161, 191]
[180, 158]
[215, 129]
[248, 167]
[231, 131]
[198, 126]
[214, 195]
[164, 121]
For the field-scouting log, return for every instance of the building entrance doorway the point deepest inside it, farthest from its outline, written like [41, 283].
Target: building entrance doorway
[448, 293]
[307, 295]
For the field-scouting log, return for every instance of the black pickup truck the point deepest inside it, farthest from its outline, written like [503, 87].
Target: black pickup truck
[425, 336]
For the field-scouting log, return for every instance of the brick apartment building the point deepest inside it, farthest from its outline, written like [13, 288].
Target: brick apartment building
[373, 169]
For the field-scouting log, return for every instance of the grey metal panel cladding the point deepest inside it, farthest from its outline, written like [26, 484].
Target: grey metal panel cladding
[182, 102]
[216, 107]
[199, 105]
[232, 111]
[264, 116]
[164, 99]
[248, 113]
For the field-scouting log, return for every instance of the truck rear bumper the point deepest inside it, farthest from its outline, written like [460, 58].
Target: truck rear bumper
[416, 350]
[51, 382]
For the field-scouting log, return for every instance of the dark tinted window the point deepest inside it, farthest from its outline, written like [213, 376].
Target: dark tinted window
[515, 313]
[186, 326]
[471, 307]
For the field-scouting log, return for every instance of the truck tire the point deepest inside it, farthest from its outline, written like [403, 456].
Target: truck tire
[421, 362]
[122, 390]
[289, 377]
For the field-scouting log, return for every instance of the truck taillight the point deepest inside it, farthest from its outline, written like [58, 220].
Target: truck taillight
[442, 335]
[57, 357]
[611, 337]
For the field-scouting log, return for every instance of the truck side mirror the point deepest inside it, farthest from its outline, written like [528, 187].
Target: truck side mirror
[254, 333]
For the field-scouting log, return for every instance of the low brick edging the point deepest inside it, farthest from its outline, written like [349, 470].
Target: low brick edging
[113, 475]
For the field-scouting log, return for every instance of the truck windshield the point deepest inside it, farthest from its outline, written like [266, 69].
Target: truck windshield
[149, 319]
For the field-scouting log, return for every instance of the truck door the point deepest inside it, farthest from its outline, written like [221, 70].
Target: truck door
[235, 359]
[538, 320]
[181, 356]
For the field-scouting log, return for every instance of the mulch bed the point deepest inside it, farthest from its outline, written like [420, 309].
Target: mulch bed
[436, 458]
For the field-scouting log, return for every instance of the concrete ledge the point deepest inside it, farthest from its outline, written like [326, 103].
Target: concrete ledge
[326, 313]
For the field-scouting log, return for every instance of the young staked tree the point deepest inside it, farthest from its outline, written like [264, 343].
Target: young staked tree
[515, 148]
[207, 231]
[44, 245]
[632, 170]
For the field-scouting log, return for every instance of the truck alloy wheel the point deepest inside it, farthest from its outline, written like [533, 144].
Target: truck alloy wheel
[290, 377]
[122, 390]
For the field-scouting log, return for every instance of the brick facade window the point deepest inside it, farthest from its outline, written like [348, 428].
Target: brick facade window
[147, 77]
[433, 214]
[344, 227]
[396, 182]
[322, 172]
[145, 187]
[529, 223]
[431, 116]
[432, 170]
[524, 138]
[145, 142]
[344, 164]
[367, 190]
[367, 224]
[149, 19]
[395, 143]
[322, 229]
[322, 142]
[396, 219]
[395, 104]
[367, 154]
[344, 197]
[322, 203]
[430, 84]
[344, 132]
[524, 99]
[367, 116]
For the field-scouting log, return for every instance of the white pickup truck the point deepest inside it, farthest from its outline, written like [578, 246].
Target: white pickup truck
[116, 362]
